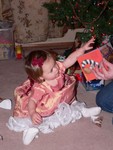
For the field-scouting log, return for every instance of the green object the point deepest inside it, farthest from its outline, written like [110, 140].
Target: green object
[95, 16]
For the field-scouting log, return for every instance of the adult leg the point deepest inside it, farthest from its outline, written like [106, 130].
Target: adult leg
[104, 98]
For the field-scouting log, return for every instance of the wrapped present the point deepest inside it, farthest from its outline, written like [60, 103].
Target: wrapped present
[92, 85]
[107, 48]
[88, 61]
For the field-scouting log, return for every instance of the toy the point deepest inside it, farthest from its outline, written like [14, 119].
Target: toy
[18, 51]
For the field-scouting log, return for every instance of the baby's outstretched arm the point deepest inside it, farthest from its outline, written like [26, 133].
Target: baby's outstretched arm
[72, 58]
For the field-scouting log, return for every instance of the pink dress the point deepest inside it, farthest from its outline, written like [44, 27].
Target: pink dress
[46, 97]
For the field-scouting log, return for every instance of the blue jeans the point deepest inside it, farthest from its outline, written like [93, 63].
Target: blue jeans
[104, 98]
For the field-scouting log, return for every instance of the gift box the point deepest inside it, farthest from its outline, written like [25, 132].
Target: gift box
[92, 85]
[88, 61]
[107, 48]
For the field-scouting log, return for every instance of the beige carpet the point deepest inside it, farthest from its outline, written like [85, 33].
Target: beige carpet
[80, 135]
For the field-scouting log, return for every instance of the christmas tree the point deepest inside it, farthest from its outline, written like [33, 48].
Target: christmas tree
[95, 16]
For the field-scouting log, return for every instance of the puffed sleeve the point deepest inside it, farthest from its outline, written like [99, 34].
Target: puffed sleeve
[22, 89]
[61, 66]
[37, 93]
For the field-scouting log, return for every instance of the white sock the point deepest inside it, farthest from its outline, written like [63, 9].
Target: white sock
[93, 111]
[6, 104]
[29, 135]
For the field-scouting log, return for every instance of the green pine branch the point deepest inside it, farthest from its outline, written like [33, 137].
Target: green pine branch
[96, 16]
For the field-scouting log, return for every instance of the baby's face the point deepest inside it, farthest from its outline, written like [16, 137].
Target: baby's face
[50, 69]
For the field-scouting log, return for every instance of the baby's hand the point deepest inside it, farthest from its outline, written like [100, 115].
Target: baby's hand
[89, 44]
[36, 118]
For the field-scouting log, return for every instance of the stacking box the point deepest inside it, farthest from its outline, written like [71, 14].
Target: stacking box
[6, 43]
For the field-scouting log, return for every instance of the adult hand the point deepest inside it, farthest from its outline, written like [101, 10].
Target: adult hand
[104, 71]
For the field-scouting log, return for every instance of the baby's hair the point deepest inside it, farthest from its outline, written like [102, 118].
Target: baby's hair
[33, 65]
[34, 62]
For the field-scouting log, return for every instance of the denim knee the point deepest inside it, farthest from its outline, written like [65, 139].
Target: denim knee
[99, 99]
[104, 101]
